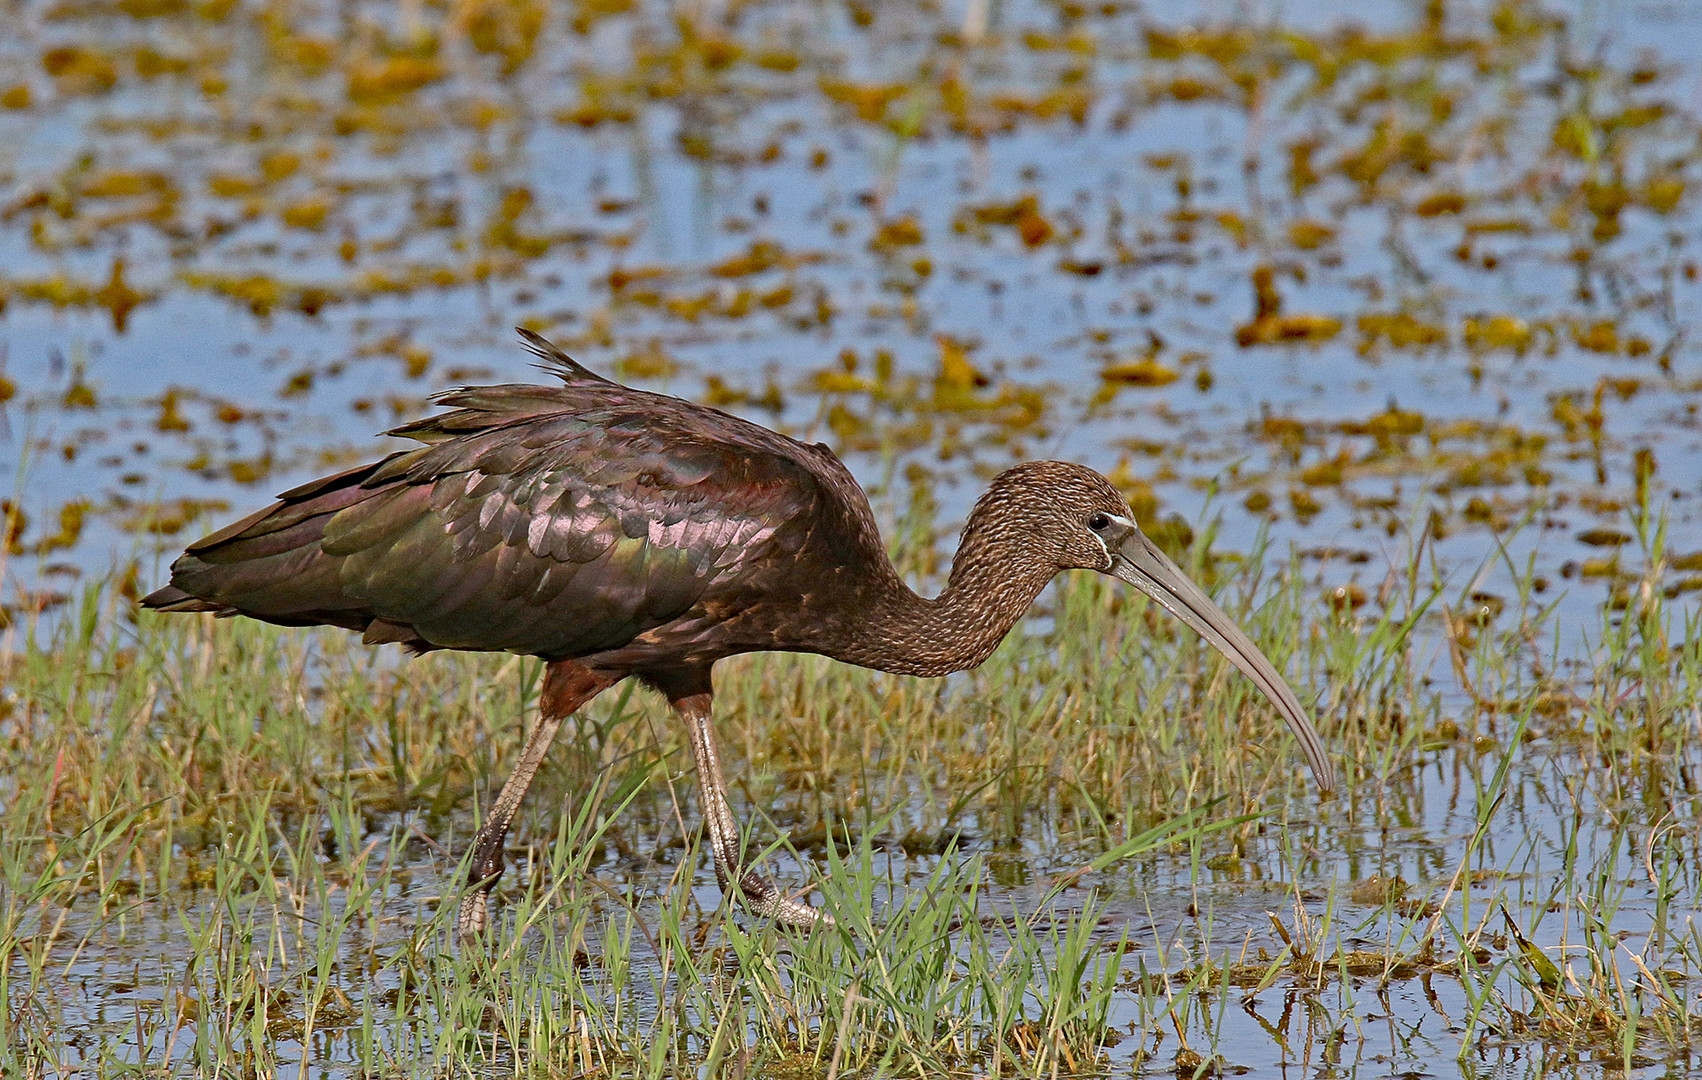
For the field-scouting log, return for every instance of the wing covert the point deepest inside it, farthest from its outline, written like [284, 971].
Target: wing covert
[558, 535]
[553, 520]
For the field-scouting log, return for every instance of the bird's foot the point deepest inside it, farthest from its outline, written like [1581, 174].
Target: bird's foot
[471, 920]
[482, 875]
[764, 898]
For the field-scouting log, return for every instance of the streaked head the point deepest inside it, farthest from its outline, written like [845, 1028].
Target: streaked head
[1076, 518]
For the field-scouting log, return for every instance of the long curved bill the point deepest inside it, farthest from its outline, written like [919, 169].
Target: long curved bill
[1135, 560]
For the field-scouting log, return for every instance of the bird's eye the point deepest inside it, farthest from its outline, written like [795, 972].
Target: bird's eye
[1099, 522]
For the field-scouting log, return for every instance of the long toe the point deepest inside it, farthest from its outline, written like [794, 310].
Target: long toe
[766, 899]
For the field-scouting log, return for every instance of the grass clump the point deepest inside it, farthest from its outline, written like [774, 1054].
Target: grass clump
[228, 847]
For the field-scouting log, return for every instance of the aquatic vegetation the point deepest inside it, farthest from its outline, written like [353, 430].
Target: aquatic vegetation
[1388, 329]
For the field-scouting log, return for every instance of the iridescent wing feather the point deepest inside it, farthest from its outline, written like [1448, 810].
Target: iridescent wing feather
[556, 521]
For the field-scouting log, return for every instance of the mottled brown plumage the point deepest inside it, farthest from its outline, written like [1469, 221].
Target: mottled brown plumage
[619, 533]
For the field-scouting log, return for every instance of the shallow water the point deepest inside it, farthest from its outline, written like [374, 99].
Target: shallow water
[716, 162]
[819, 234]
[123, 990]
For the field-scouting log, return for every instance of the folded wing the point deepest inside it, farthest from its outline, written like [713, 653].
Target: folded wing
[557, 521]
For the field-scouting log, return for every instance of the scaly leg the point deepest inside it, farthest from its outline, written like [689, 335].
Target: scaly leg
[763, 896]
[567, 686]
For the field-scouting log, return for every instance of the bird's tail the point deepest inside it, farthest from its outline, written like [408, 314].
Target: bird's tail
[172, 598]
[270, 564]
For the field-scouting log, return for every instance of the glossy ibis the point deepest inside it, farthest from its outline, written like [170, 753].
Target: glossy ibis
[615, 533]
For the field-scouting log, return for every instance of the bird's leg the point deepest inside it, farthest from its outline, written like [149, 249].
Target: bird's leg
[760, 893]
[567, 686]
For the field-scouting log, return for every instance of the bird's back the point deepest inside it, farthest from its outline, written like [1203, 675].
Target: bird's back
[560, 521]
